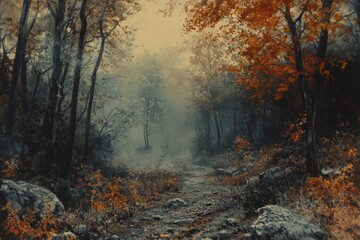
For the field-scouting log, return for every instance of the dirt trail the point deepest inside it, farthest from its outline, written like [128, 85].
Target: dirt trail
[206, 212]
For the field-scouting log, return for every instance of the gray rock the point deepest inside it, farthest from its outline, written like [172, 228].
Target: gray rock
[80, 229]
[223, 233]
[175, 203]
[246, 236]
[220, 172]
[64, 236]
[231, 222]
[264, 189]
[114, 237]
[23, 196]
[157, 217]
[182, 221]
[279, 223]
[329, 172]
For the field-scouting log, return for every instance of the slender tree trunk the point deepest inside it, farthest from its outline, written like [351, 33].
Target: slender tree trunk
[218, 130]
[234, 124]
[75, 91]
[92, 91]
[49, 118]
[311, 159]
[207, 131]
[24, 90]
[16, 71]
[311, 103]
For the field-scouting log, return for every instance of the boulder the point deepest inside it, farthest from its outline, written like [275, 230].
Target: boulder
[64, 236]
[275, 222]
[114, 237]
[175, 203]
[220, 172]
[264, 189]
[24, 196]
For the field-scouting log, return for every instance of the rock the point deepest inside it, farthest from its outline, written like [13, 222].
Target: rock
[80, 229]
[156, 217]
[329, 172]
[64, 236]
[146, 218]
[220, 172]
[246, 236]
[151, 217]
[24, 196]
[223, 233]
[276, 222]
[243, 169]
[231, 222]
[175, 203]
[182, 221]
[114, 237]
[264, 189]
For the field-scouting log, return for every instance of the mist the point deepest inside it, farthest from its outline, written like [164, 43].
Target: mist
[171, 136]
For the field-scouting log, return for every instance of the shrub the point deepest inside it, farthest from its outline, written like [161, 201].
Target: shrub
[9, 168]
[241, 144]
[28, 224]
[336, 203]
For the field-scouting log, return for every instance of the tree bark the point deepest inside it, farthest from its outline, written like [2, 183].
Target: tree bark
[218, 130]
[50, 116]
[92, 90]
[24, 90]
[75, 92]
[16, 71]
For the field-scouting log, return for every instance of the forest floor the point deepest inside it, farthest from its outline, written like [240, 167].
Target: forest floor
[201, 209]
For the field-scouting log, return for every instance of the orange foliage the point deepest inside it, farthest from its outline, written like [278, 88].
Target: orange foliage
[295, 130]
[9, 168]
[105, 194]
[258, 34]
[337, 203]
[241, 144]
[28, 225]
[108, 194]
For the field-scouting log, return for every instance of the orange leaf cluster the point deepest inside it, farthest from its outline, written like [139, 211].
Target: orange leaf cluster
[295, 130]
[105, 194]
[241, 144]
[28, 225]
[9, 168]
[337, 203]
[260, 41]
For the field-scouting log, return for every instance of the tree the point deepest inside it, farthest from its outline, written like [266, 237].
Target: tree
[49, 118]
[152, 105]
[277, 44]
[66, 166]
[112, 13]
[18, 63]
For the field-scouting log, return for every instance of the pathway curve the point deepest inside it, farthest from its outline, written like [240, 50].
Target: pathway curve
[200, 210]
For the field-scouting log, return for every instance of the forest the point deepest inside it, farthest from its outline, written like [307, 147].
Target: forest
[179, 119]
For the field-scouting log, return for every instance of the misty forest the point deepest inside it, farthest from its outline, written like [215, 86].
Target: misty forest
[179, 119]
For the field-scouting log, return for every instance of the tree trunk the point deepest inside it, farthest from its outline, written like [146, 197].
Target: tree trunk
[50, 116]
[92, 91]
[24, 90]
[75, 92]
[312, 164]
[218, 130]
[234, 124]
[311, 103]
[16, 71]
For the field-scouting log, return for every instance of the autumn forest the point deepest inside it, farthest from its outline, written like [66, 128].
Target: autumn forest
[179, 119]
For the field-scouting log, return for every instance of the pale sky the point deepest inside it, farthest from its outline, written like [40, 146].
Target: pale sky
[154, 31]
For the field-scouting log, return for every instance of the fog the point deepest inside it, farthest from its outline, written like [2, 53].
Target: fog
[170, 137]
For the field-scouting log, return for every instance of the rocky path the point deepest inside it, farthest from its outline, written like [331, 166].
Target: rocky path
[200, 210]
